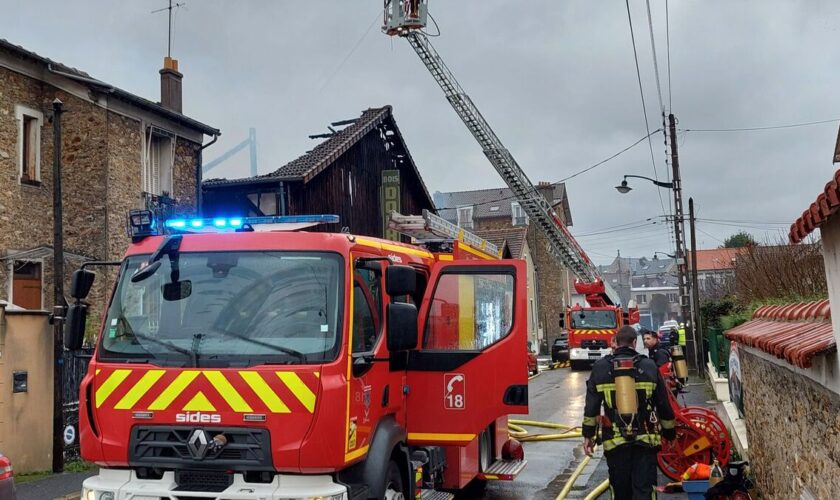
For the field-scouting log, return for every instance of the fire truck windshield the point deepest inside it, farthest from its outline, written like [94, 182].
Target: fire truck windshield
[593, 320]
[227, 309]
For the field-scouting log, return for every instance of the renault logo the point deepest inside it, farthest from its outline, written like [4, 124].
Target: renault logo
[197, 444]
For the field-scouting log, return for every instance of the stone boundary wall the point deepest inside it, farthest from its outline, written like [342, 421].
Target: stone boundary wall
[793, 425]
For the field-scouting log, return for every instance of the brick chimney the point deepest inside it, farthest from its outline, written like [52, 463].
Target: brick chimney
[547, 190]
[170, 85]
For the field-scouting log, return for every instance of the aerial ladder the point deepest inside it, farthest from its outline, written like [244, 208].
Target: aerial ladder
[407, 19]
[700, 436]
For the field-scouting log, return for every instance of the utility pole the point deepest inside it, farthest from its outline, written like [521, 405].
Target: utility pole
[699, 351]
[679, 236]
[58, 302]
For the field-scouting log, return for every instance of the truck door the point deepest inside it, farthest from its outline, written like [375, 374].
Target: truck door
[471, 365]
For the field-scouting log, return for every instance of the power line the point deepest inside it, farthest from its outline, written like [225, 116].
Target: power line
[587, 169]
[668, 50]
[644, 106]
[710, 235]
[655, 61]
[349, 54]
[587, 235]
[624, 224]
[771, 127]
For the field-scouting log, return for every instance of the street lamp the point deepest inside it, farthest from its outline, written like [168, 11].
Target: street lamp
[623, 188]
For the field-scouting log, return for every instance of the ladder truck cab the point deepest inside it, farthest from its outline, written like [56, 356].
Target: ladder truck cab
[591, 327]
[244, 358]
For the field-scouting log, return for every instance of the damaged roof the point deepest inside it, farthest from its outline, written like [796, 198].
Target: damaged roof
[82, 77]
[794, 332]
[514, 237]
[307, 166]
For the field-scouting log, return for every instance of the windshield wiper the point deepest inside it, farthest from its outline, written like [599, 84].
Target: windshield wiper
[285, 350]
[169, 345]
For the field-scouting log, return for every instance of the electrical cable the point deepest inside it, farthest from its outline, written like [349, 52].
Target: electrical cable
[609, 231]
[349, 54]
[644, 106]
[668, 50]
[770, 127]
[587, 169]
[655, 61]
[709, 235]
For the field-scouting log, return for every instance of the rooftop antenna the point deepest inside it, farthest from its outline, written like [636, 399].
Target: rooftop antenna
[171, 6]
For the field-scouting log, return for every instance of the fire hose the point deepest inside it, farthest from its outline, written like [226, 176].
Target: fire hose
[516, 429]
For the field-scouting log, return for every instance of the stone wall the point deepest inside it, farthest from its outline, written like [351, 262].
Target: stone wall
[793, 425]
[101, 181]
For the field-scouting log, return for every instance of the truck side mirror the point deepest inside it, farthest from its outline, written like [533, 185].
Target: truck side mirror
[81, 283]
[400, 280]
[74, 325]
[562, 321]
[402, 327]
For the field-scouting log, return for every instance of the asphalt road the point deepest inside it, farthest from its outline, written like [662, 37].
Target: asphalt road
[555, 396]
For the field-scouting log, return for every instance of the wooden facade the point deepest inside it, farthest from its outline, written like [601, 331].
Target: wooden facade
[341, 176]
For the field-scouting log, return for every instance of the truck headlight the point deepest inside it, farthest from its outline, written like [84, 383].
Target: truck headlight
[97, 495]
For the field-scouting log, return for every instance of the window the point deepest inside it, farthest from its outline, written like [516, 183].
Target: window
[367, 306]
[158, 159]
[465, 217]
[234, 309]
[29, 144]
[470, 311]
[26, 284]
[641, 299]
[266, 202]
[593, 319]
[673, 297]
[518, 217]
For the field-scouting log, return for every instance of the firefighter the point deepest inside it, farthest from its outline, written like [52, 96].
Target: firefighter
[673, 336]
[656, 351]
[681, 334]
[636, 411]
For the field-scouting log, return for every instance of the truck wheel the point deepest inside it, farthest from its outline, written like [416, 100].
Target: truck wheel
[394, 489]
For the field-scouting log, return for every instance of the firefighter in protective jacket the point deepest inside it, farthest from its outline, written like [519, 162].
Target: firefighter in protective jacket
[636, 416]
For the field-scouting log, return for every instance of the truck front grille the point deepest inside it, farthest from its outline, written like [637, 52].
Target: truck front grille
[594, 344]
[202, 481]
[168, 447]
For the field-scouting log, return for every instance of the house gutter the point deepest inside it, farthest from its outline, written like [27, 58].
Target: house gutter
[199, 173]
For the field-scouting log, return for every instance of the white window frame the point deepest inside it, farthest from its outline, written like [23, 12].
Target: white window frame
[152, 174]
[460, 221]
[20, 112]
[643, 297]
[516, 208]
[10, 267]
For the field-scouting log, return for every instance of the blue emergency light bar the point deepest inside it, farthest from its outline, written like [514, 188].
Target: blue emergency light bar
[222, 223]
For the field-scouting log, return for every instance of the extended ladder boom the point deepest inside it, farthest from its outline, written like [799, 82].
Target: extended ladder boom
[538, 209]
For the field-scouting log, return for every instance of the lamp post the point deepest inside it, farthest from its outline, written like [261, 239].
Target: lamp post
[679, 255]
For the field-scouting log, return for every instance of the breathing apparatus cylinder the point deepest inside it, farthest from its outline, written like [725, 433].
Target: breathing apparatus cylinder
[626, 398]
[680, 367]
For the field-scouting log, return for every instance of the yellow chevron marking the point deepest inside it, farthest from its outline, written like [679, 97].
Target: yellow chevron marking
[432, 436]
[173, 390]
[228, 392]
[98, 370]
[318, 374]
[261, 388]
[199, 403]
[110, 385]
[139, 390]
[356, 453]
[299, 389]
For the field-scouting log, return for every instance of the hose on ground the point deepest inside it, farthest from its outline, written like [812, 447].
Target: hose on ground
[516, 430]
[598, 490]
[571, 481]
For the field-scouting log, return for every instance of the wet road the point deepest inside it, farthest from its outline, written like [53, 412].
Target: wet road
[555, 396]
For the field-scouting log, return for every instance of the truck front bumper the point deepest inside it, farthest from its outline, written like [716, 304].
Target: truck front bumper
[113, 484]
[579, 354]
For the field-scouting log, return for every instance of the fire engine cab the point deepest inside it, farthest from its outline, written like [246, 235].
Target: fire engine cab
[243, 358]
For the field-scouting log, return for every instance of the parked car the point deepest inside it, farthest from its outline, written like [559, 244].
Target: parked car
[665, 334]
[7, 480]
[560, 348]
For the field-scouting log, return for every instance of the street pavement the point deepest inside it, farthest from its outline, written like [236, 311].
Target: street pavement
[555, 396]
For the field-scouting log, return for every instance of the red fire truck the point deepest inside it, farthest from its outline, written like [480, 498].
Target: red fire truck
[591, 327]
[241, 358]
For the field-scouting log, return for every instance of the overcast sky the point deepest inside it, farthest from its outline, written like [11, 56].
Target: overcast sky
[555, 79]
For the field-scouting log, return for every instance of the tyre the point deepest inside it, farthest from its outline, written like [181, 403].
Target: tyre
[577, 364]
[394, 488]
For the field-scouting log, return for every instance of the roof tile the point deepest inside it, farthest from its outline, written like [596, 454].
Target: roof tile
[794, 332]
[826, 204]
